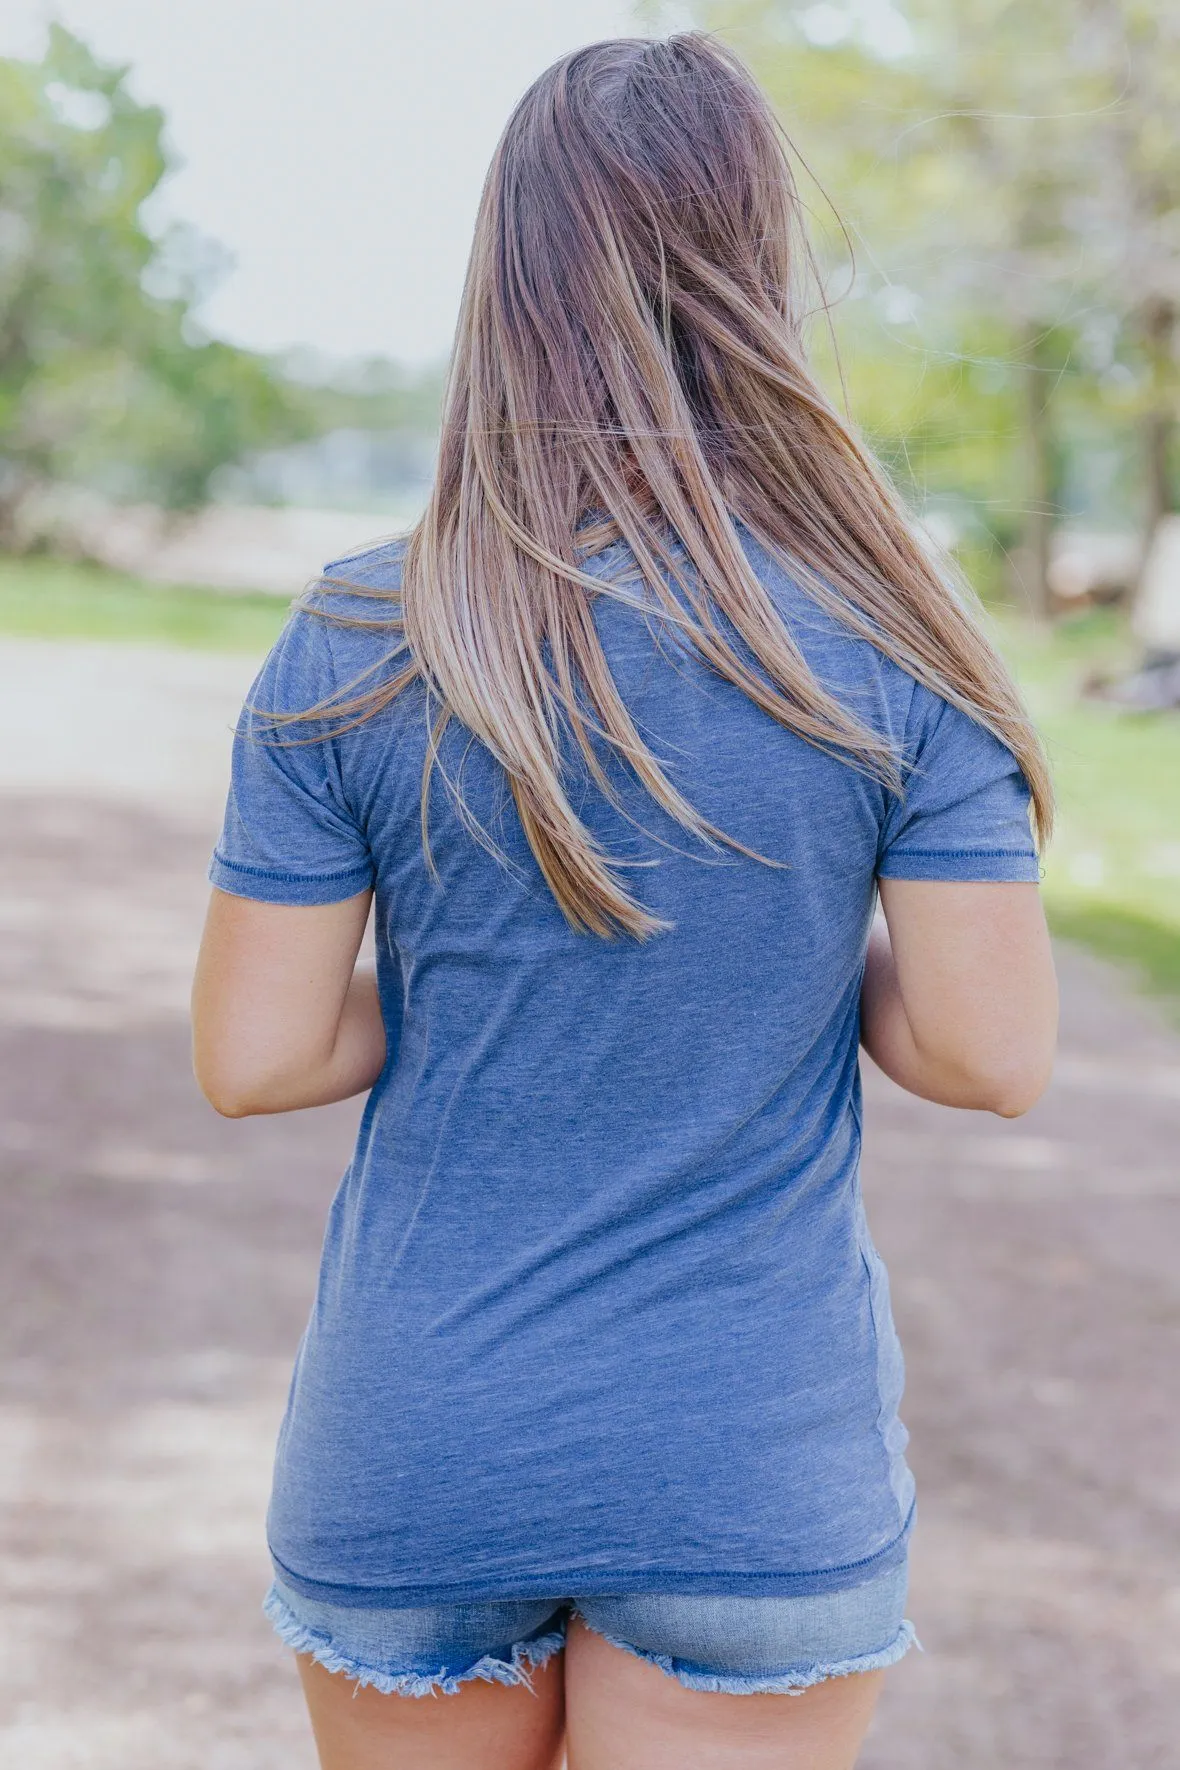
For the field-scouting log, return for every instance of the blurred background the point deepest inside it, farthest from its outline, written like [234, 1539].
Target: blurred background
[232, 241]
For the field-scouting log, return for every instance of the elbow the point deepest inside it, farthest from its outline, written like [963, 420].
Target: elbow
[246, 1083]
[241, 1078]
[231, 1091]
[230, 1099]
[233, 1106]
[1013, 1103]
[1011, 1090]
[1007, 1083]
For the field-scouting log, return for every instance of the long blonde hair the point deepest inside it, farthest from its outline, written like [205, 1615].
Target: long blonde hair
[629, 350]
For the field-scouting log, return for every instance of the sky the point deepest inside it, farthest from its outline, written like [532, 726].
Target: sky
[336, 148]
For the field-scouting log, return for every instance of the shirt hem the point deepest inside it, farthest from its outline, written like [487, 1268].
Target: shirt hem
[267, 886]
[1000, 866]
[598, 1582]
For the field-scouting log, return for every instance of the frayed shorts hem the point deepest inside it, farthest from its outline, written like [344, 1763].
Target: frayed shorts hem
[524, 1658]
[793, 1681]
[514, 1664]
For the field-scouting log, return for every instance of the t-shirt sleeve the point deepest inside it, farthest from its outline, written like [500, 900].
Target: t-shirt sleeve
[289, 835]
[964, 813]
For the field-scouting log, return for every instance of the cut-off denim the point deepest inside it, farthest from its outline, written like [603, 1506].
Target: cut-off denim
[734, 1645]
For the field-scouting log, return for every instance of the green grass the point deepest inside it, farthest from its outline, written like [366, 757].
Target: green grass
[1112, 875]
[45, 598]
[1148, 949]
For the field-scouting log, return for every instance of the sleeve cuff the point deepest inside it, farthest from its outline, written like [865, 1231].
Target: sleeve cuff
[983, 866]
[263, 885]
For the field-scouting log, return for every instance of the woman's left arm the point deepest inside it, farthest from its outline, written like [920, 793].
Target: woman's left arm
[283, 1016]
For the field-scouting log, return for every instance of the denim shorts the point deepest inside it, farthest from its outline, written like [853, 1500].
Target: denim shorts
[733, 1645]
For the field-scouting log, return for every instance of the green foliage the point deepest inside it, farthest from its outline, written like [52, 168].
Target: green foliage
[1010, 180]
[1112, 876]
[55, 599]
[375, 434]
[103, 377]
[1148, 949]
[946, 423]
[372, 394]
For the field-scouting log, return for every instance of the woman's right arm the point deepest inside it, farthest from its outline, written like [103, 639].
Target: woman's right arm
[959, 1003]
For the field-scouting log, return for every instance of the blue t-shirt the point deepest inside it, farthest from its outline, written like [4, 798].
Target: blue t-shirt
[599, 1310]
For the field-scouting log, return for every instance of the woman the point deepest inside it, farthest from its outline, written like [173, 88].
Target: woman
[623, 742]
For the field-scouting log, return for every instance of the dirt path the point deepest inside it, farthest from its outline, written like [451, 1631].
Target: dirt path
[156, 1264]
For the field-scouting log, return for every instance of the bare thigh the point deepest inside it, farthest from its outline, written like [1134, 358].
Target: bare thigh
[481, 1727]
[624, 1714]
[621, 1714]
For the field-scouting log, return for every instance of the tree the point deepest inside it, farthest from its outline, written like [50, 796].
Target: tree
[1070, 114]
[1013, 173]
[1132, 213]
[103, 375]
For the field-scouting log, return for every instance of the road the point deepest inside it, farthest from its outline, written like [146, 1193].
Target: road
[156, 1264]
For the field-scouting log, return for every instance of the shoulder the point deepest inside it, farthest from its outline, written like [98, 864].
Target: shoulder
[948, 739]
[377, 567]
[928, 732]
[847, 662]
[361, 588]
[340, 631]
[353, 611]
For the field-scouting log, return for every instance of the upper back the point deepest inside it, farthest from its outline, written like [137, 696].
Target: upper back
[765, 929]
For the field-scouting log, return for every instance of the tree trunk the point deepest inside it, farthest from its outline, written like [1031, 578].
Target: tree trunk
[1159, 424]
[14, 488]
[1159, 428]
[1041, 502]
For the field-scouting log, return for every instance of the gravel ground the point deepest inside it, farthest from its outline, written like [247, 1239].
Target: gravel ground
[156, 1265]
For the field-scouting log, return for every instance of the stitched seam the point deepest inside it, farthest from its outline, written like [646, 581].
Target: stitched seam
[567, 1581]
[957, 854]
[234, 866]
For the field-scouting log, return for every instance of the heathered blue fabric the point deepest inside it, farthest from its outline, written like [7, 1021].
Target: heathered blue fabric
[599, 1310]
